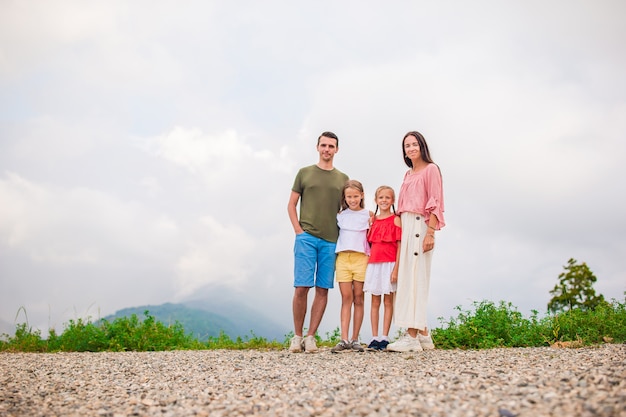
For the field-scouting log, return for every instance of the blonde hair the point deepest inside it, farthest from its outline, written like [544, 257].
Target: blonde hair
[393, 195]
[351, 184]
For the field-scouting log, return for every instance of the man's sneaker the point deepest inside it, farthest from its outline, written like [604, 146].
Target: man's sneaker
[296, 344]
[309, 344]
[382, 345]
[405, 344]
[356, 346]
[343, 346]
[426, 341]
[374, 345]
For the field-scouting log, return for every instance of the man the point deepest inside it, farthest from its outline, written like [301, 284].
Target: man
[318, 188]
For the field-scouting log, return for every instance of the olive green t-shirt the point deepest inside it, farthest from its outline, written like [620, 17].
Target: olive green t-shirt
[320, 200]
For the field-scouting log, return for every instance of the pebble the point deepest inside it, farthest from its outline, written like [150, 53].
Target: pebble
[506, 382]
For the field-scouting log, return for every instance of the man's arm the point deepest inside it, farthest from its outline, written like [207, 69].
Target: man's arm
[293, 212]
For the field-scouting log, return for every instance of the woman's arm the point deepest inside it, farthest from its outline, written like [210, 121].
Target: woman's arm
[429, 239]
[394, 272]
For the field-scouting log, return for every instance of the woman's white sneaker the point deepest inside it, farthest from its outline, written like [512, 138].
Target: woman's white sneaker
[406, 343]
[426, 341]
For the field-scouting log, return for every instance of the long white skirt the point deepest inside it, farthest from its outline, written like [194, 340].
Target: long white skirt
[413, 274]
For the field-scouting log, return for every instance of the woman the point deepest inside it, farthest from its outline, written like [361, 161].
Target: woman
[420, 205]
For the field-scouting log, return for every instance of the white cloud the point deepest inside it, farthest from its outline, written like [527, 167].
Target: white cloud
[219, 254]
[152, 186]
[37, 33]
[215, 157]
[73, 226]
[224, 103]
[46, 138]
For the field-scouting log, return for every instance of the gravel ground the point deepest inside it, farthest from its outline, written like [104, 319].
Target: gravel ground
[494, 382]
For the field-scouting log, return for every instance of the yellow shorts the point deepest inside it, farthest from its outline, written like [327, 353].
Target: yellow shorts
[351, 266]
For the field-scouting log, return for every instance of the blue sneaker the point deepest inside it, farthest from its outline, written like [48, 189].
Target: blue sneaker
[373, 345]
[382, 345]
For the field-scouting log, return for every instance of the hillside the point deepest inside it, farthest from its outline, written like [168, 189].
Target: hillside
[200, 319]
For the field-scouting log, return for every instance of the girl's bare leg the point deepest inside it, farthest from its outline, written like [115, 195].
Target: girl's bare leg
[359, 308]
[347, 298]
[375, 314]
[388, 314]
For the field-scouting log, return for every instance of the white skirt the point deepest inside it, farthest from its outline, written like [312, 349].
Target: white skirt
[413, 274]
[378, 278]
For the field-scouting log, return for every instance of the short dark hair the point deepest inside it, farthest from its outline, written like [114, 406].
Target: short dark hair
[328, 135]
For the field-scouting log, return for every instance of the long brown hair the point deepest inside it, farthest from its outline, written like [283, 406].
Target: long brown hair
[424, 152]
[351, 184]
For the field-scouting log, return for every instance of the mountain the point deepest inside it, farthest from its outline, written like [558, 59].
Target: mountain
[200, 318]
[235, 306]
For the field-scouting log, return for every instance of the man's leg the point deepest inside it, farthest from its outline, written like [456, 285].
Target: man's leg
[299, 309]
[317, 309]
[305, 258]
[325, 277]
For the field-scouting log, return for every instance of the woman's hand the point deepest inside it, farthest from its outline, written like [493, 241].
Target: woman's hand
[429, 242]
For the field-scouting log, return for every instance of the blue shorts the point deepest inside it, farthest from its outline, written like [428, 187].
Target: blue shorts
[314, 264]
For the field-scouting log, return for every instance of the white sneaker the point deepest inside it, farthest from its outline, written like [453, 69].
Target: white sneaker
[426, 341]
[406, 343]
[296, 344]
[309, 344]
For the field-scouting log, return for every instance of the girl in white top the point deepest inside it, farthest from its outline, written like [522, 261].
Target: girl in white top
[352, 256]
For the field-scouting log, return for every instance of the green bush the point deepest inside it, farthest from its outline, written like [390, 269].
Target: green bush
[128, 333]
[78, 336]
[489, 325]
[223, 341]
[486, 325]
[606, 322]
[122, 334]
[24, 340]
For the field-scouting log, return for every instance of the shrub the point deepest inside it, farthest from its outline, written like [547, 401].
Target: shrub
[128, 333]
[78, 336]
[606, 322]
[24, 340]
[489, 326]
[485, 325]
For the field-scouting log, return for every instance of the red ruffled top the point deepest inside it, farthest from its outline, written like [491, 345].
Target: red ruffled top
[384, 236]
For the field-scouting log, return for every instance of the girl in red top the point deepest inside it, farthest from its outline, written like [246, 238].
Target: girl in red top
[381, 275]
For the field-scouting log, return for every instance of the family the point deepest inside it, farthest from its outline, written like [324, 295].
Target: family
[386, 253]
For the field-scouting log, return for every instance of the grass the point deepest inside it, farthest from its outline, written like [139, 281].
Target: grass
[485, 325]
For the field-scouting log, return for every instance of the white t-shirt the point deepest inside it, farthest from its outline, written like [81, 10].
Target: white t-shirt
[353, 227]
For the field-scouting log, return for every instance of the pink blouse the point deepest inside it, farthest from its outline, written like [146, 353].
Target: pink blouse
[422, 193]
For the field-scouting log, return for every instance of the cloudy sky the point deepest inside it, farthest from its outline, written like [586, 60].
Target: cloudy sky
[148, 148]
